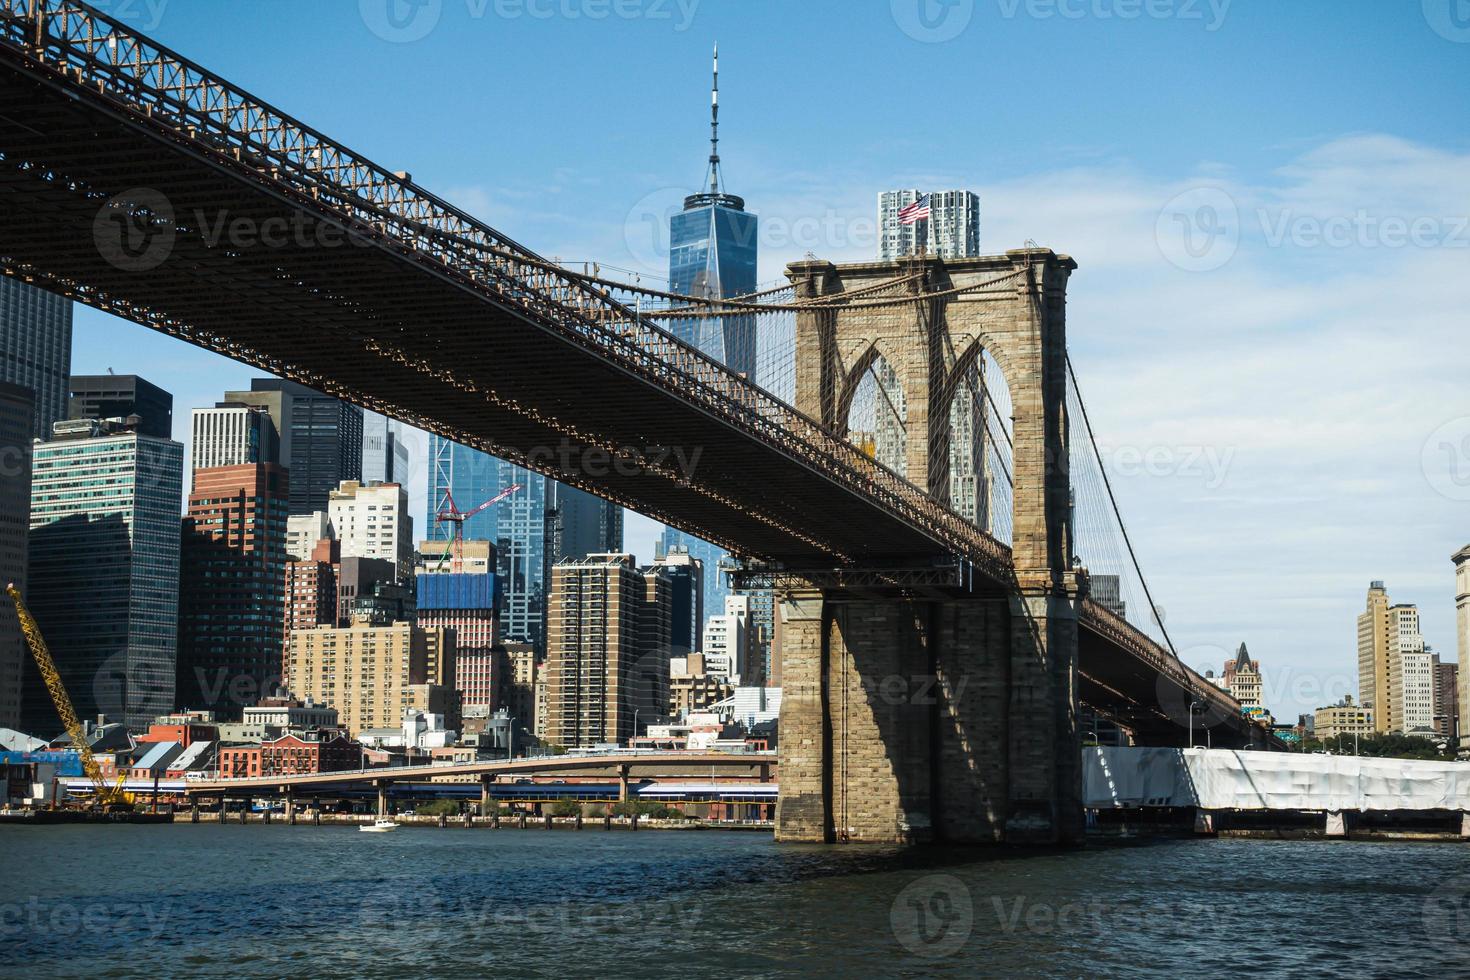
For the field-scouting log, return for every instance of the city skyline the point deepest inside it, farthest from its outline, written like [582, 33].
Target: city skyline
[1251, 455]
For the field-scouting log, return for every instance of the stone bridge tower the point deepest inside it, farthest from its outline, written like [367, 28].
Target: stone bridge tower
[912, 714]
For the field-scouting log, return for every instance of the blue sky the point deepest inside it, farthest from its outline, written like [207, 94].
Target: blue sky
[1267, 202]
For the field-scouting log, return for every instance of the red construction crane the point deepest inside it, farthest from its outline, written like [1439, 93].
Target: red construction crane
[457, 517]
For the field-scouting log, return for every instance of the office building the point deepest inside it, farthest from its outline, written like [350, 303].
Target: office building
[713, 252]
[727, 642]
[518, 695]
[373, 522]
[372, 675]
[233, 434]
[1374, 658]
[1447, 700]
[1242, 678]
[686, 601]
[1106, 591]
[693, 688]
[539, 525]
[232, 587]
[953, 225]
[1461, 559]
[465, 603]
[385, 456]
[1410, 672]
[321, 438]
[303, 531]
[762, 647]
[35, 349]
[328, 587]
[1343, 718]
[17, 416]
[716, 583]
[607, 659]
[121, 396]
[104, 569]
[475, 557]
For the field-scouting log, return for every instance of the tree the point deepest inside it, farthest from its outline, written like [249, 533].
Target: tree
[438, 808]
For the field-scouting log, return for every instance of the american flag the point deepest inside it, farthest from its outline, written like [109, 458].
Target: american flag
[912, 213]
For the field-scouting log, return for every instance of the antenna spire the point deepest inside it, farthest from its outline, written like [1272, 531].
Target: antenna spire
[714, 128]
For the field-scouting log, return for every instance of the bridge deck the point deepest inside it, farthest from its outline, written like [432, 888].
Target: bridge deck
[380, 293]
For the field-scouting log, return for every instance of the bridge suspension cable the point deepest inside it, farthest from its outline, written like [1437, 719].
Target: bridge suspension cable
[1100, 505]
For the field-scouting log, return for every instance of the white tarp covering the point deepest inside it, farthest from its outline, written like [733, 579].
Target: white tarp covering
[1226, 779]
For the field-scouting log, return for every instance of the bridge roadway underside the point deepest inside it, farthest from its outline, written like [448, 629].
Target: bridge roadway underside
[395, 330]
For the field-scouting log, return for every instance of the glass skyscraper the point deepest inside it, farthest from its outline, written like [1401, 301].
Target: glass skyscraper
[35, 348]
[104, 571]
[320, 438]
[541, 524]
[712, 253]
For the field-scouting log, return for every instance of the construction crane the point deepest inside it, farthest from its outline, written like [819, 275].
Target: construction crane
[456, 517]
[103, 795]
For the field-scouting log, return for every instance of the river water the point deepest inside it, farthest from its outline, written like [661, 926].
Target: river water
[185, 900]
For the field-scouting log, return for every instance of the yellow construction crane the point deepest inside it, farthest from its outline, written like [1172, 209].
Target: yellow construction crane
[102, 794]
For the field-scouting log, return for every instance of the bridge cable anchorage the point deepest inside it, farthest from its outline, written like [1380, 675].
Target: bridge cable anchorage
[1112, 498]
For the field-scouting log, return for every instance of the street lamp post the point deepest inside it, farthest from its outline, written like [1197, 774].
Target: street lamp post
[1192, 706]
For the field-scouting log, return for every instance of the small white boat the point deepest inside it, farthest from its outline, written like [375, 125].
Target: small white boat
[378, 827]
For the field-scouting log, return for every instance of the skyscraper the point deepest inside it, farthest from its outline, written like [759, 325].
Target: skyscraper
[321, 441]
[607, 654]
[713, 249]
[118, 396]
[232, 587]
[542, 523]
[233, 434]
[1461, 559]
[35, 349]
[1373, 658]
[686, 601]
[385, 456]
[727, 644]
[712, 252]
[17, 415]
[1411, 672]
[104, 570]
[953, 226]
[1447, 700]
[373, 522]
[1395, 671]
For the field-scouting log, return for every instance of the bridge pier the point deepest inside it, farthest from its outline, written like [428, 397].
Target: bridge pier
[929, 720]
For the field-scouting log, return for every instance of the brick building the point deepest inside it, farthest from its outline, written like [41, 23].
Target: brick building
[292, 754]
[232, 590]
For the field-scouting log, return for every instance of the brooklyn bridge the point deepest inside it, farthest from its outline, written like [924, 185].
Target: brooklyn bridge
[910, 467]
